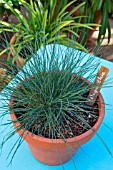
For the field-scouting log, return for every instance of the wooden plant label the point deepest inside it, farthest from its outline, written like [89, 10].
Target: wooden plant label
[101, 76]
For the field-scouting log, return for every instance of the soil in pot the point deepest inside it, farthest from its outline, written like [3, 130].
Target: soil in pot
[45, 146]
[76, 129]
[68, 128]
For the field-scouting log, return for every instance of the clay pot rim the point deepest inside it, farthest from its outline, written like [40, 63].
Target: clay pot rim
[101, 106]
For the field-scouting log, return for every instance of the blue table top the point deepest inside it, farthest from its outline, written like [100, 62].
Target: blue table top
[92, 156]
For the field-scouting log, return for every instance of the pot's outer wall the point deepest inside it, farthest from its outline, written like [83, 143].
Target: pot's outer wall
[56, 151]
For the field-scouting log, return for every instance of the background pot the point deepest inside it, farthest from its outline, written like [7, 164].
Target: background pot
[55, 151]
[97, 20]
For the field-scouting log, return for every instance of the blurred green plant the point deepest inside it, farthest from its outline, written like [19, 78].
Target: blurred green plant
[105, 6]
[89, 9]
[4, 7]
[44, 22]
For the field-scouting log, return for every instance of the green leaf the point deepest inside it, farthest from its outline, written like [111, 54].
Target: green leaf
[44, 22]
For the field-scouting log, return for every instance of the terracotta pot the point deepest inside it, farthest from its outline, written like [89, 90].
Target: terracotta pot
[55, 151]
[96, 21]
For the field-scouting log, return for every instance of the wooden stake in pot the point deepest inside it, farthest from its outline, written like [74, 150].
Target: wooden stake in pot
[101, 76]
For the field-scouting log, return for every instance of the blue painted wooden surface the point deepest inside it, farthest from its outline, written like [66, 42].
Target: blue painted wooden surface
[95, 155]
